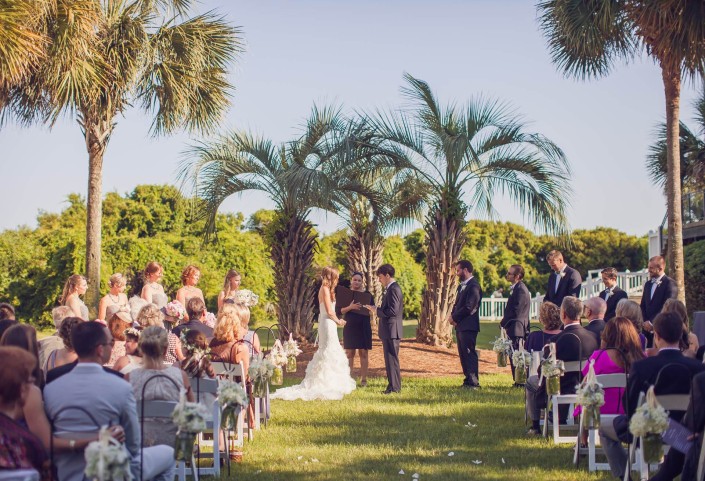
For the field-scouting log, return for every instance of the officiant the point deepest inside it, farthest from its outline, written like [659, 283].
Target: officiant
[357, 333]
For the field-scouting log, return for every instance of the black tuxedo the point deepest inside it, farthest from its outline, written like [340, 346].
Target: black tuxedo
[518, 307]
[569, 285]
[596, 326]
[57, 372]
[651, 306]
[466, 315]
[391, 329]
[616, 296]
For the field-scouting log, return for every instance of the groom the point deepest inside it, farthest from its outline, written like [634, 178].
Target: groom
[390, 325]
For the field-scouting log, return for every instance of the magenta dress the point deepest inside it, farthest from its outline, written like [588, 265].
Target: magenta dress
[613, 396]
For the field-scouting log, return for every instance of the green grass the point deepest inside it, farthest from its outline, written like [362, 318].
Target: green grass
[368, 436]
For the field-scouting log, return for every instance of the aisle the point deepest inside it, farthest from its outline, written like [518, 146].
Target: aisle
[368, 436]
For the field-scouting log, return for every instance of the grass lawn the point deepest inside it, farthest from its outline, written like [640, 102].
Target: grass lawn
[368, 436]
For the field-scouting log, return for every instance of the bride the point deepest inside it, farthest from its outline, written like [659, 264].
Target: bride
[328, 373]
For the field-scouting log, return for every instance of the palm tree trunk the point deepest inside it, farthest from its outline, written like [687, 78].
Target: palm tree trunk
[292, 253]
[364, 248]
[672, 86]
[445, 241]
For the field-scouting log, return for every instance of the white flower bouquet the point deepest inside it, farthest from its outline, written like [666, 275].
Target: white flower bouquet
[291, 349]
[131, 331]
[279, 359]
[503, 347]
[552, 369]
[260, 371]
[649, 422]
[209, 320]
[245, 297]
[190, 419]
[175, 309]
[521, 360]
[107, 459]
[591, 396]
[231, 395]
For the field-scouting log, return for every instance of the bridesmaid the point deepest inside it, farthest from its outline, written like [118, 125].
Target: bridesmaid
[189, 278]
[115, 297]
[75, 286]
[357, 333]
[153, 291]
[231, 285]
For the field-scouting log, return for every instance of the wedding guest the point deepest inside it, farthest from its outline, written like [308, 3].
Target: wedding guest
[153, 291]
[550, 319]
[657, 290]
[196, 310]
[594, 311]
[357, 332]
[24, 336]
[110, 401]
[119, 320]
[6, 324]
[133, 357]
[74, 287]
[19, 448]
[197, 363]
[465, 317]
[53, 342]
[231, 285]
[153, 344]
[7, 311]
[689, 343]
[250, 339]
[612, 293]
[668, 332]
[150, 315]
[115, 297]
[189, 278]
[630, 309]
[228, 334]
[65, 355]
[564, 280]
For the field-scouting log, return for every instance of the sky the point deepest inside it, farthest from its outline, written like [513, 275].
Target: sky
[354, 54]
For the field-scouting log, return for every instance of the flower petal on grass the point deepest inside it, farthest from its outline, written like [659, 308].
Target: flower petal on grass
[477, 461]
[401, 471]
[503, 461]
[415, 476]
[451, 453]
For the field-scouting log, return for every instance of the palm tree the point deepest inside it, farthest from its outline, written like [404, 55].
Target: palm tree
[586, 38]
[292, 175]
[477, 151]
[101, 57]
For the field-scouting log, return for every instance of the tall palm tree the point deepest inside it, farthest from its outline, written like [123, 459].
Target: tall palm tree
[102, 57]
[473, 152]
[586, 38]
[293, 177]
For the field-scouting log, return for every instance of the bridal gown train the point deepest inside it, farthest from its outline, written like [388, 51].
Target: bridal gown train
[328, 373]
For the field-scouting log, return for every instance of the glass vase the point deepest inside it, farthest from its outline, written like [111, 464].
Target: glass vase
[591, 417]
[502, 359]
[520, 374]
[228, 418]
[553, 385]
[652, 447]
[291, 364]
[183, 447]
[259, 387]
[277, 377]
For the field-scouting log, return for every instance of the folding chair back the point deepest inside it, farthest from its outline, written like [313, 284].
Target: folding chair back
[19, 475]
[65, 434]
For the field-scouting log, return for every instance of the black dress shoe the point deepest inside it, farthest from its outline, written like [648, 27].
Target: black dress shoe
[471, 386]
[390, 391]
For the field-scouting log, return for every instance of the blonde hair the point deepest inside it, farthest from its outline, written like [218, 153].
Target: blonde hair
[329, 278]
[70, 286]
[150, 315]
[231, 318]
[154, 342]
[188, 272]
[226, 286]
[117, 279]
[631, 310]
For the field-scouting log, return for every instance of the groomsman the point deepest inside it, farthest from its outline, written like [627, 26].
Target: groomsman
[564, 280]
[465, 316]
[656, 290]
[516, 312]
[612, 293]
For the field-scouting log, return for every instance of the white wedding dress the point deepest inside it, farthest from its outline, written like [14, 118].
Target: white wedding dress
[328, 373]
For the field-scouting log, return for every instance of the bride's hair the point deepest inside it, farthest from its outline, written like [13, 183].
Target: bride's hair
[329, 278]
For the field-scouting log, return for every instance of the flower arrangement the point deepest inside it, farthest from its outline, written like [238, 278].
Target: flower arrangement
[245, 297]
[209, 320]
[291, 349]
[279, 359]
[503, 347]
[552, 369]
[591, 396]
[231, 395]
[107, 459]
[521, 360]
[649, 422]
[175, 309]
[260, 371]
[131, 331]
[190, 419]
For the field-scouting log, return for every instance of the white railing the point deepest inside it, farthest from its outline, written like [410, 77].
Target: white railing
[492, 308]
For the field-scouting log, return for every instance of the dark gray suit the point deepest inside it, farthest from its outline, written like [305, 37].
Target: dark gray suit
[390, 315]
[466, 315]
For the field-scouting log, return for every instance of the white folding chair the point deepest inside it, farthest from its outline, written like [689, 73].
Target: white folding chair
[555, 401]
[19, 475]
[233, 372]
[209, 387]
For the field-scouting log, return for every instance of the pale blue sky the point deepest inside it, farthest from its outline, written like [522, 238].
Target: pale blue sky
[355, 53]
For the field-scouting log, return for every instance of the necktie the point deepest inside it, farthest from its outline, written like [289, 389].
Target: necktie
[608, 293]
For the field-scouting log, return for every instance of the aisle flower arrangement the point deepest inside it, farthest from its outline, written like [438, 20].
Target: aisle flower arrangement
[190, 419]
[291, 349]
[591, 396]
[260, 371]
[107, 459]
[649, 422]
[503, 347]
[521, 360]
[231, 395]
[279, 359]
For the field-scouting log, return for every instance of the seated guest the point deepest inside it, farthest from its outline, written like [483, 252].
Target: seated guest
[108, 399]
[54, 342]
[631, 310]
[689, 343]
[7, 312]
[694, 420]
[568, 348]
[118, 319]
[595, 309]
[153, 345]
[668, 332]
[65, 355]
[151, 315]
[550, 319]
[197, 363]
[19, 448]
[24, 336]
[6, 324]
[133, 357]
[251, 339]
[228, 334]
[196, 310]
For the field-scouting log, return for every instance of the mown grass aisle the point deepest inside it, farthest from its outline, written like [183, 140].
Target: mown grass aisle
[372, 437]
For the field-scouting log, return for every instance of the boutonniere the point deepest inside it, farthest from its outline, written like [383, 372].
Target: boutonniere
[657, 282]
[561, 274]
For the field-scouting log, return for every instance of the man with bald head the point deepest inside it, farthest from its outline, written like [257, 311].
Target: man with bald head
[657, 290]
[594, 311]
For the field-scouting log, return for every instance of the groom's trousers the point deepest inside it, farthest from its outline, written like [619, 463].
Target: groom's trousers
[468, 357]
[390, 347]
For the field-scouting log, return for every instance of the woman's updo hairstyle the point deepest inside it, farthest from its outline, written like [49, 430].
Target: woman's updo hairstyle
[154, 342]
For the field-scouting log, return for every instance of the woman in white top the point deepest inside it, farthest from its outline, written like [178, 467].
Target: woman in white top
[115, 297]
[153, 291]
[75, 286]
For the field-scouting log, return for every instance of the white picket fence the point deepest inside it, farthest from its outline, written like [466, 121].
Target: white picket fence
[492, 308]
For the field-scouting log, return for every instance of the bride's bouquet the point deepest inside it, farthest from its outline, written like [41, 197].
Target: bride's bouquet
[190, 419]
[107, 459]
[261, 371]
[279, 359]
[291, 349]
